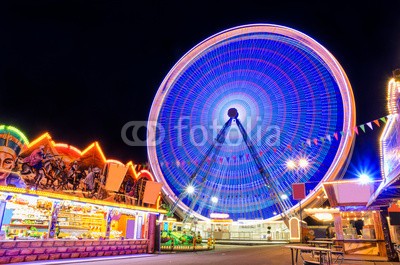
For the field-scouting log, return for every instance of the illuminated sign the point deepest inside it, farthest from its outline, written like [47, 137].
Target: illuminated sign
[219, 216]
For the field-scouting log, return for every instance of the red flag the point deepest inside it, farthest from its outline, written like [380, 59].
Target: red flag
[299, 191]
[315, 141]
[356, 130]
[336, 136]
[377, 123]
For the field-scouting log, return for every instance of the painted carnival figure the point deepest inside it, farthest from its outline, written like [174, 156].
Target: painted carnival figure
[11, 145]
[35, 160]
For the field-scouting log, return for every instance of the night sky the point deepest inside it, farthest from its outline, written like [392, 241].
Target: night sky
[82, 69]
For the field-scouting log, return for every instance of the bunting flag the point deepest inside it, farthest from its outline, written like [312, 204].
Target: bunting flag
[290, 147]
[328, 137]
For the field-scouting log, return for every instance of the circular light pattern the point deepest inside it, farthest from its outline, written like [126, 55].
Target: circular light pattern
[285, 89]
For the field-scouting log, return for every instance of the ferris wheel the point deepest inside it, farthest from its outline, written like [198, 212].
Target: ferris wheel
[237, 109]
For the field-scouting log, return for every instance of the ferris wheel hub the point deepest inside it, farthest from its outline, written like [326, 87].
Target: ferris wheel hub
[233, 113]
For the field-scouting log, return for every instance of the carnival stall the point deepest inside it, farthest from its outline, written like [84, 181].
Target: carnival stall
[57, 201]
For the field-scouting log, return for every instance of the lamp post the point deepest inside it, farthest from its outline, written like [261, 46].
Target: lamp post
[299, 164]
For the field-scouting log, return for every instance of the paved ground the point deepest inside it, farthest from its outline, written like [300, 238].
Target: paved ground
[223, 254]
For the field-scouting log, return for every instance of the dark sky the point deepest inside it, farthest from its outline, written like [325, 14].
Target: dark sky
[82, 69]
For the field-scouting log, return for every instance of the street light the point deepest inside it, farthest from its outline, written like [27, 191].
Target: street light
[303, 164]
[290, 164]
[364, 179]
[190, 189]
[284, 197]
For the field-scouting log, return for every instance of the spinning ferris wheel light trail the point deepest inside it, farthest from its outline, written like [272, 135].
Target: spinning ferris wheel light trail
[233, 116]
[279, 88]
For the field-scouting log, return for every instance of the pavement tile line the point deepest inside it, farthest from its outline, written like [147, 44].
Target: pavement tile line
[75, 260]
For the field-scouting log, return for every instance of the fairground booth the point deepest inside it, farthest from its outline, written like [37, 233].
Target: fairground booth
[57, 201]
[363, 215]
[386, 197]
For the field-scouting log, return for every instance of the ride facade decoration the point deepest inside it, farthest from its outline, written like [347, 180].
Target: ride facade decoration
[232, 99]
[45, 165]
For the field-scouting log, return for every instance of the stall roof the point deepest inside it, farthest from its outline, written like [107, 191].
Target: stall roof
[385, 193]
[349, 192]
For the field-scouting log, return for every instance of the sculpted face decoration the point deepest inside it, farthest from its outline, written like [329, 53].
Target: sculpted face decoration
[12, 143]
[7, 163]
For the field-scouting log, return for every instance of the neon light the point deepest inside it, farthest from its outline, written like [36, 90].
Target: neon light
[17, 131]
[39, 139]
[67, 146]
[146, 173]
[78, 199]
[115, 162]
[389, 151]
[97, 146]
[88, 148]
[266, 90]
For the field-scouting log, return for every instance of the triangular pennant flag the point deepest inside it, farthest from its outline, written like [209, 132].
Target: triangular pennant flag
[274, 150]
[356, 130]
[247, 156]
[227, 158]
[234, 158]
[336, 136]
[370, 125]
[377, 123]
[322, 139]
[342, 132]
[383, 119]
[261, 153]
[162, 164]
[309, 142]
[362, 126]
[289, 147]
[221, 160]
[240, 157]
[315, 141]
[328, 137]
